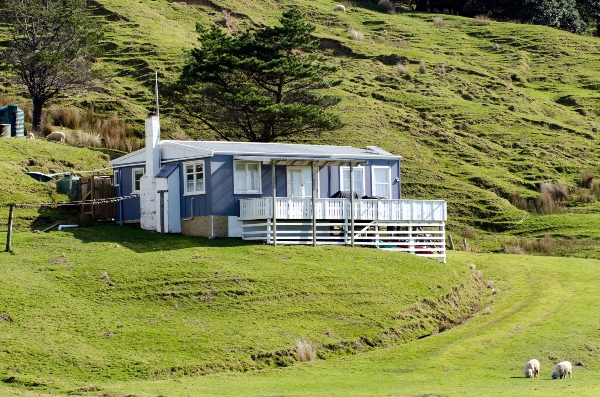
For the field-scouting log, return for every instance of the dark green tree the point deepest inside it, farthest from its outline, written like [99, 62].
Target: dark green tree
[51, 47]
[562, 14]
[258, 86]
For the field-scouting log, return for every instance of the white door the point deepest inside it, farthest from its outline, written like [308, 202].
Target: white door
[299, 182]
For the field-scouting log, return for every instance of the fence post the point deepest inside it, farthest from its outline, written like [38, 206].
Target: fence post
[451, 242]
[465, 246]
[10, 225]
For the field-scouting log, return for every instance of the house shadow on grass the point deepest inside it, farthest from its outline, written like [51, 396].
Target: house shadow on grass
[141, 241]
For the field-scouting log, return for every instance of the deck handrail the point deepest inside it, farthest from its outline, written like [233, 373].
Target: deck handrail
[339, 208]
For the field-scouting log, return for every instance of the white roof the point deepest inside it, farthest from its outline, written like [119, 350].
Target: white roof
[172, 150]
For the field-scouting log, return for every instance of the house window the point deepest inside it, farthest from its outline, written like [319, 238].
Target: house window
[194, 177]
[381, 181]
[137, 174]
[117, 177]
[359, 179]
[246, 178]
[299, 182]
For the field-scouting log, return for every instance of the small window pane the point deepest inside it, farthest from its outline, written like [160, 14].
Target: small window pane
[247, 177]
[240, 179]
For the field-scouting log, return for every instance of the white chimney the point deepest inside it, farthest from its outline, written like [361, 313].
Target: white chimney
[148, 213]
[152, 145]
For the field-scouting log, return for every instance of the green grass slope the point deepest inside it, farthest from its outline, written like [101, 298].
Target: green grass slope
[24, 155]
[188, 317]
[544, 309]
[106, 304]
[515, 106]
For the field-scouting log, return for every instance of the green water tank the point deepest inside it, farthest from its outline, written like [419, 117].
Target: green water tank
[62, 186]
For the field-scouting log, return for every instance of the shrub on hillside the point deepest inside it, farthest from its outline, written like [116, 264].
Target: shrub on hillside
[422, 67]
[438, 21]
[387, 6]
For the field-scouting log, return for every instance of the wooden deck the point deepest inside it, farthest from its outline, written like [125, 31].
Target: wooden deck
[414, 226]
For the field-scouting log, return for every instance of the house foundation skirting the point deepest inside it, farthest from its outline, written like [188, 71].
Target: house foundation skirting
[211, 226]
[422, 238]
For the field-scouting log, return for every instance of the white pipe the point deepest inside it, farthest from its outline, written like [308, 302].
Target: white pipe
[61, 227]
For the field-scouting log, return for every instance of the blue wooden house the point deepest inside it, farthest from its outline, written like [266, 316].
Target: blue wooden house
[275, 192]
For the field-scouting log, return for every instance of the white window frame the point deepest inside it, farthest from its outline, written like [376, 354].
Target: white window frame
[289, 190]
[246, 163]
[362, 181]
[389, 180]
[117, 177]
[185, 182]
[133, 173]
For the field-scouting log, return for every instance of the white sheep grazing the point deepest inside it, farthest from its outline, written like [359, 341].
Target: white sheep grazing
[561, 370]
[339, 7]
[56, 136]
[30, 136]
[532, 368]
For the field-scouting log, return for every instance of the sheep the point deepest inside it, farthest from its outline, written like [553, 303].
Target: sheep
[561, 370]
[339, 7]
[56, 136]
[532, 368]
[30, 136]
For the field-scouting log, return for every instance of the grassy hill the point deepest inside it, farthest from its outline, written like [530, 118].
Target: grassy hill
[513, 106]
[181, 316]
[111, 303]
[21, 155]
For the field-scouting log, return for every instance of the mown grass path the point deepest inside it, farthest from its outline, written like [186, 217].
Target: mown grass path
[545, 308]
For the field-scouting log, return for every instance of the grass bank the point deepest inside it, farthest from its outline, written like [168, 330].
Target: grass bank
[107, 304]
[544, 308]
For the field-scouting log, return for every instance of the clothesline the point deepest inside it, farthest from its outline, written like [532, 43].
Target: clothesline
[80, 202]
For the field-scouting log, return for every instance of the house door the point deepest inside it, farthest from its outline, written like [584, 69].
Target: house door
[299, 182]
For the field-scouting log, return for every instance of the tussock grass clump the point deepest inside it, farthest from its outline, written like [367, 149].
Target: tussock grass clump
[518, 201]
[586, 178]
[91, 129]
[402, 69]
[422, 67]
[468, 232]
[305, 351]
[479, 20]
[545, 245]
[438, 22]
[441, 70]
[551, 195]
[517, 250]
[356, 35]
[90, 140]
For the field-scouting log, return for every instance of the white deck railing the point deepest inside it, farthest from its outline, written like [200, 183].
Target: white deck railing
[328, 208]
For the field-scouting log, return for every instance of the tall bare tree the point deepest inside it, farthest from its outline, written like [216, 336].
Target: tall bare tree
[51, 48]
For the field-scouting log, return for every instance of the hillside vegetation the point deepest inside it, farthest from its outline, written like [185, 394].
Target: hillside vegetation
[172, 306]
[501, 108]
[181, 316]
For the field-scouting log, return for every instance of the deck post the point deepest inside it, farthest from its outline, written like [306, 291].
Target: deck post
[314, 213]
[351, 204]
[274, 209]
